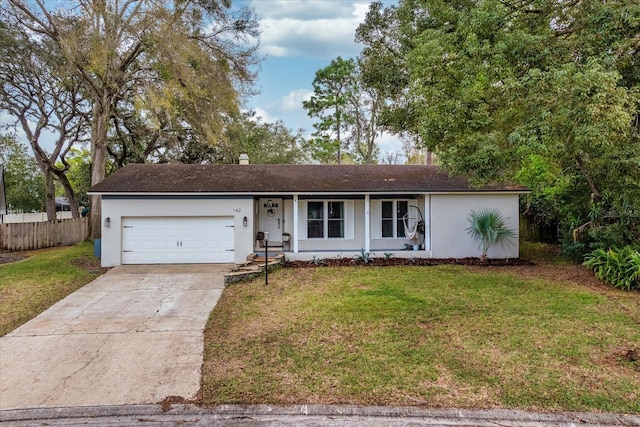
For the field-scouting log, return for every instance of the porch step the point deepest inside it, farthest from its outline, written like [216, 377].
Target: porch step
[261, 259]
[253, 267]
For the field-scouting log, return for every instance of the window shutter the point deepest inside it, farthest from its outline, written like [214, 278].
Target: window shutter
[375, 221]
[302, 220]
[349, 220]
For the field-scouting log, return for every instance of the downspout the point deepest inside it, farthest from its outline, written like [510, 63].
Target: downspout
[367, 222]
[295, 224]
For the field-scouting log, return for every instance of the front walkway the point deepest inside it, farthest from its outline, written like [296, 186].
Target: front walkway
[132, 336]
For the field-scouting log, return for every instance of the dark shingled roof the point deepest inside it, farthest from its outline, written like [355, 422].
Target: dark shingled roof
[180, 178]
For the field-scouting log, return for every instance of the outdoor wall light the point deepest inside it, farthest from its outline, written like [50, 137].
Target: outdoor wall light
[245, 221]
[107, 222]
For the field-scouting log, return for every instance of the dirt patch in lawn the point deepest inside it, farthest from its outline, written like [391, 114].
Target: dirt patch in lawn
[555, 273]
[7, 257]
[92, 265]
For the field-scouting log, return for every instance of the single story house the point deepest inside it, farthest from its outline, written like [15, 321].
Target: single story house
[177, 213]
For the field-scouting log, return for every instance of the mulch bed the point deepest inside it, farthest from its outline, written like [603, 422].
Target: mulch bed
[382, 262]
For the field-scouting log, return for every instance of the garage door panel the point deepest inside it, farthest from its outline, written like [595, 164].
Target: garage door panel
[159, 240]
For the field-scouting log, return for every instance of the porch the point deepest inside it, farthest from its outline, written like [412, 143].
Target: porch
[304, 226]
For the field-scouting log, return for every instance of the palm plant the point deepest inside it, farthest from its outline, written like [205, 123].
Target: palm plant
[490, 227]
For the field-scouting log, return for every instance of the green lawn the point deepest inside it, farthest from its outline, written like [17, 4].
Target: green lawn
[436, 336]
[540, 337]
[30, 286]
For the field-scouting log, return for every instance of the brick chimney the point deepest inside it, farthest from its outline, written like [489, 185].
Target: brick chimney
[244, 159]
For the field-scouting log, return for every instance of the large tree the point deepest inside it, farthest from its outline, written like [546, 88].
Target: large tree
[348, 112]
[364, 105]
[36, 90]
[328, 103]
[542, 92]
[188, 59]
[387, 35]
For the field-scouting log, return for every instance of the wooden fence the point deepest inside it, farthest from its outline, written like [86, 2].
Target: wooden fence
[37, 235]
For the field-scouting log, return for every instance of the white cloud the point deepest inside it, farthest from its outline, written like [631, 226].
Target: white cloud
[389, 143]
[323, 29]
[301, 9]
[293, 100]
[264, 115]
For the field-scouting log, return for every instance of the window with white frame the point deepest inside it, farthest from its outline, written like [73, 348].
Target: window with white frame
[392, 213]
[315, 220]
[325, 219]
[335, 219]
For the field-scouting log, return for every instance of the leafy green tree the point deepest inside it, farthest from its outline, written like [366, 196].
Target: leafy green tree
[331, 87]
[23, 181]
[349, 114]
[188, 61]
[387, 35]
[42, 97]
[364, 106]
[541, 92]
[79, 173]
[263, 142]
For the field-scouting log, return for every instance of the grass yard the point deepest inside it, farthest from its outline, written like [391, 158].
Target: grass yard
[533, 337]
[30, 286]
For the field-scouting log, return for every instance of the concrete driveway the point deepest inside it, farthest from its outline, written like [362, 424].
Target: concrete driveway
[132, 336]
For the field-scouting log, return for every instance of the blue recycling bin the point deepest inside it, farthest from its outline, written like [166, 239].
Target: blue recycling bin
[97, 248]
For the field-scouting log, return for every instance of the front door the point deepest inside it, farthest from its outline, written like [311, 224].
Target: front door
[271, 219]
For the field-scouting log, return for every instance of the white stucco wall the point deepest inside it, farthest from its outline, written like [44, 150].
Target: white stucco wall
[449, 212]
[116, 209]
[445, 216]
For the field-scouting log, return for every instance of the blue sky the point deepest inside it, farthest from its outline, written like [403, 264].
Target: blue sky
[299, 37]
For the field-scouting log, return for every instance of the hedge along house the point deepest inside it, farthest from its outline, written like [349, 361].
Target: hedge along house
[176, 213]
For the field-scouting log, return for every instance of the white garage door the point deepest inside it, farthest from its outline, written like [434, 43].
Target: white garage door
[177, 240]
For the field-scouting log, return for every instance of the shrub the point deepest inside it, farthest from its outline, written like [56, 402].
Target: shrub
[620, 267]
[365, 257]
[316, 261]
[490, 227]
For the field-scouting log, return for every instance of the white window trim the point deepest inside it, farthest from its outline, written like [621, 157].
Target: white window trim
[325, 224]
[349, 222]
[395, 217]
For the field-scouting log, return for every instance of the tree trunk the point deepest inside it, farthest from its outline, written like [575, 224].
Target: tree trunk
[50, 195]
[71, 197]
[338, 134]
[98, 162]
